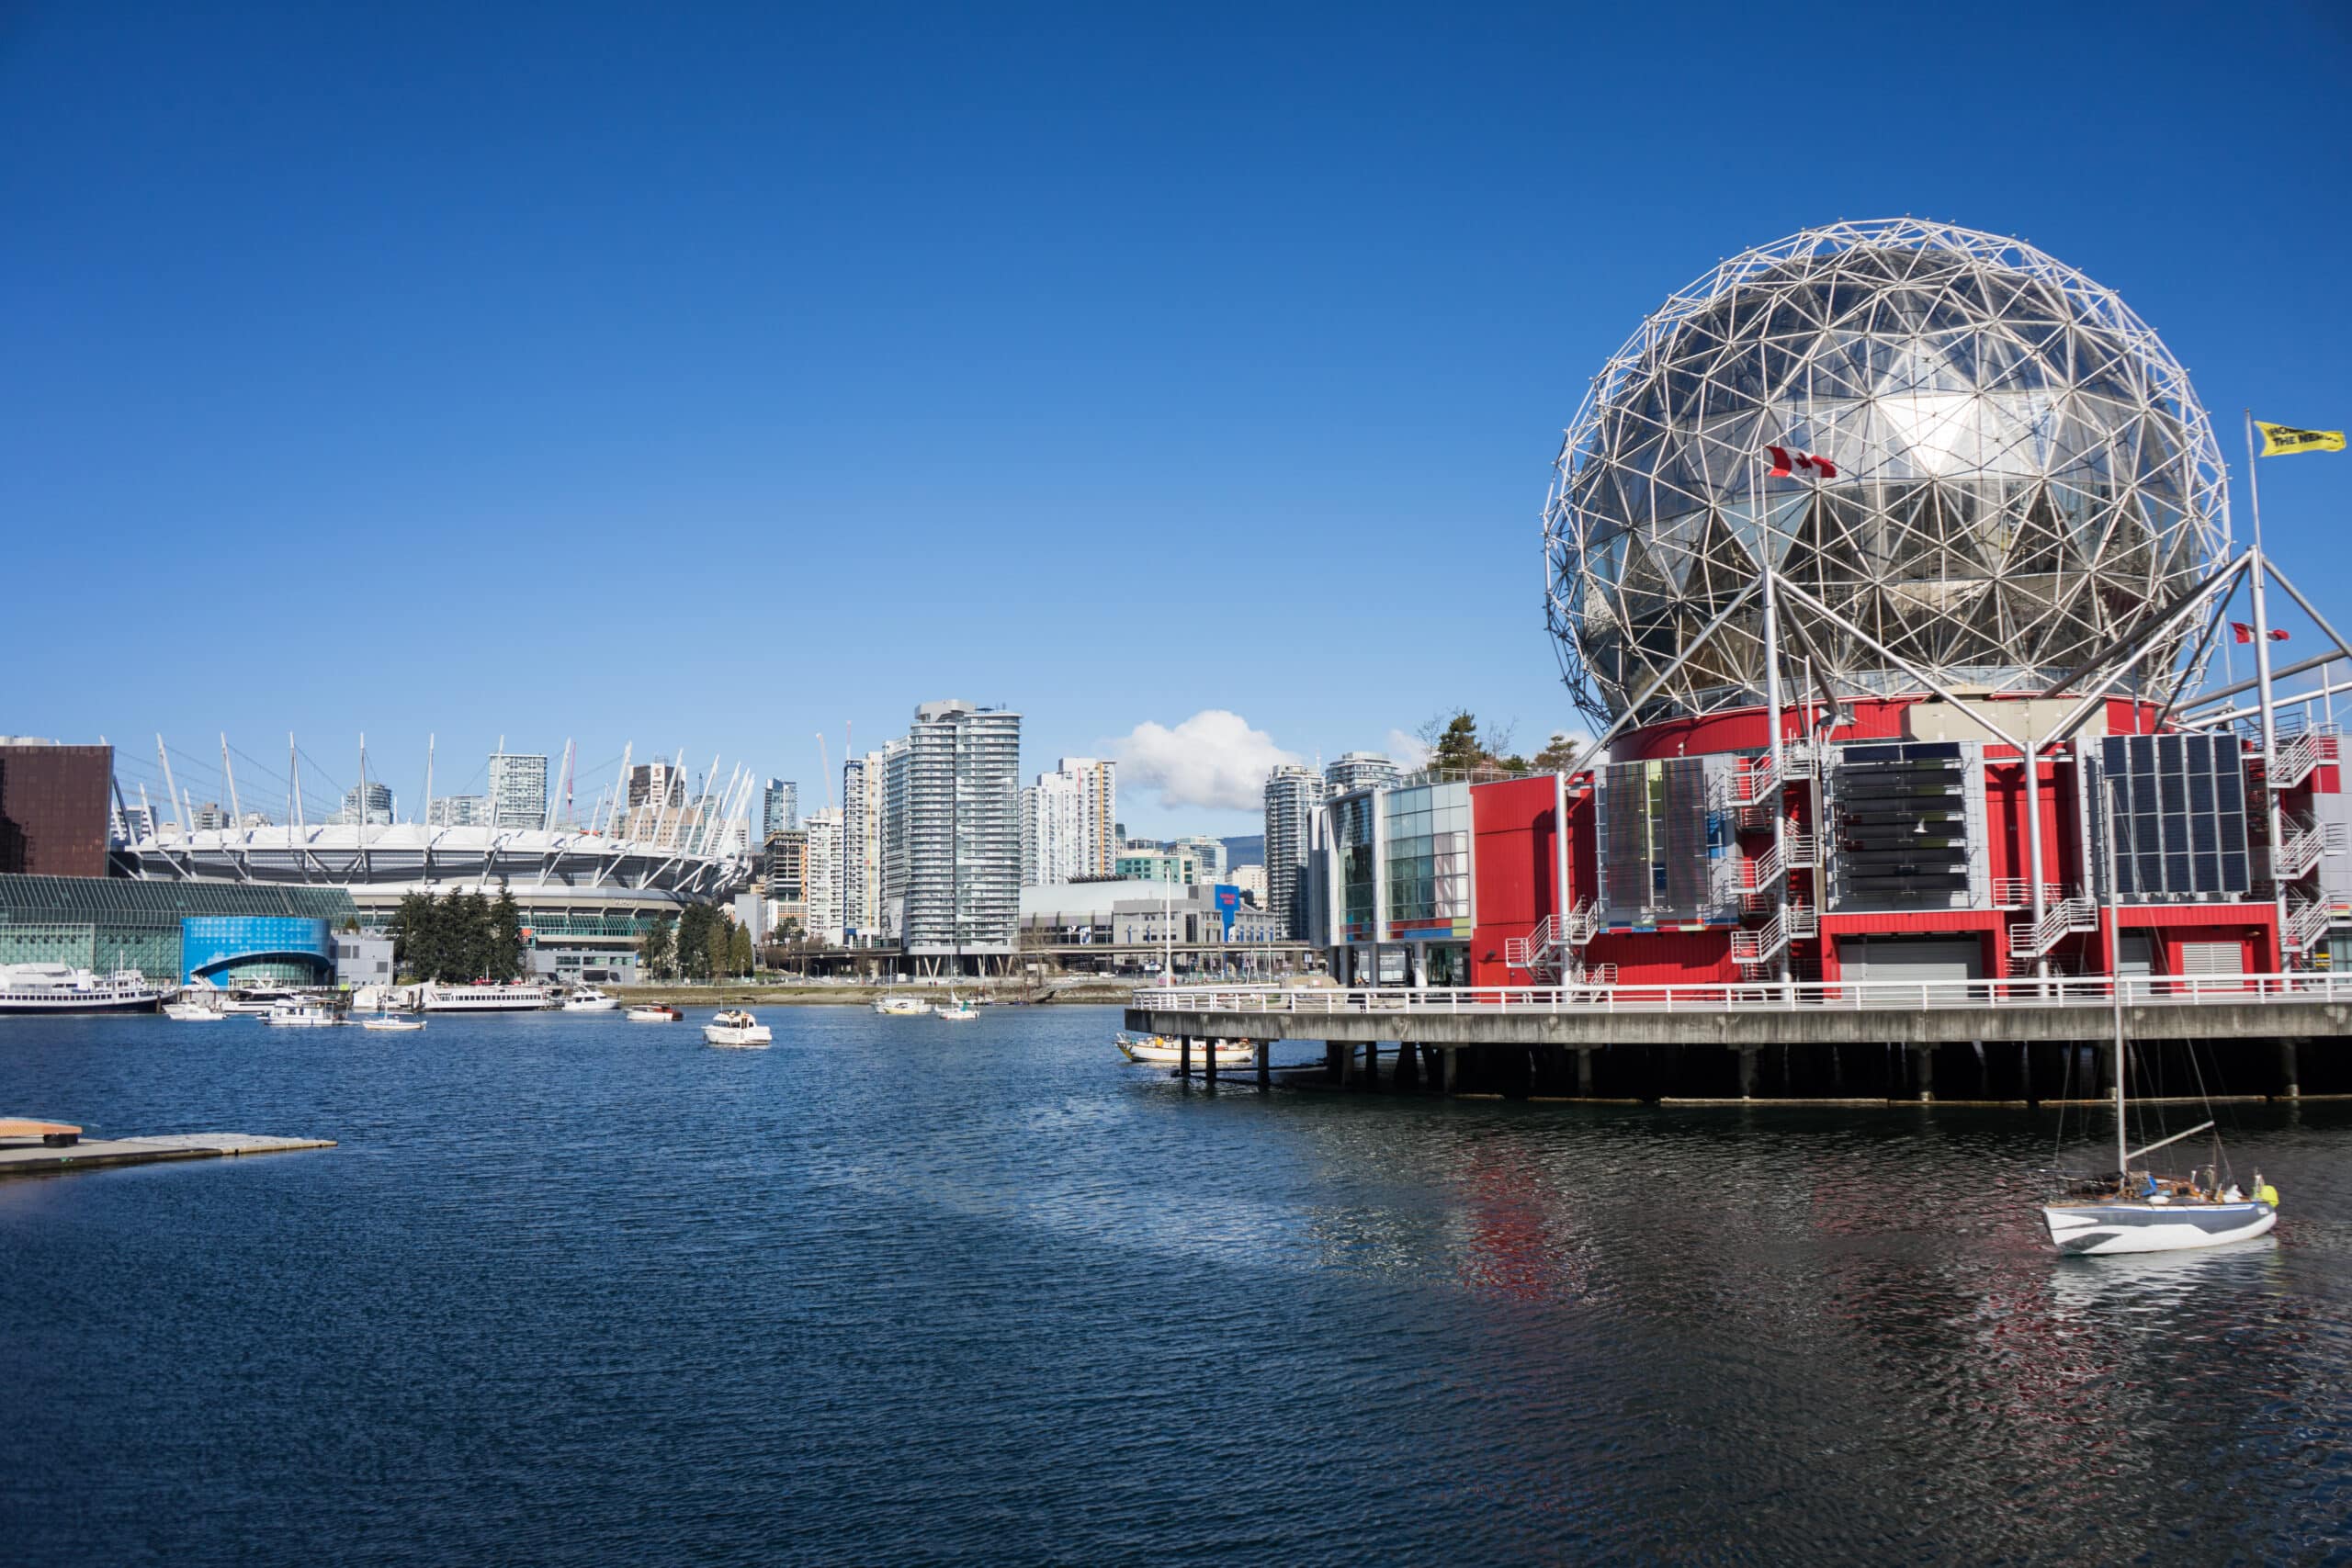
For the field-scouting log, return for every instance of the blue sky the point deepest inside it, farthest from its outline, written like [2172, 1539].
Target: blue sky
[715, 378]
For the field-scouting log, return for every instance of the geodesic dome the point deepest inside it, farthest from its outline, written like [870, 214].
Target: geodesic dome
[2023, 473]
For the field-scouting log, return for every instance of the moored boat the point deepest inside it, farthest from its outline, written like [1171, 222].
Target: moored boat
[60, 987]
[955, 1009]
[302, 1012]
[389, 1023]
[588, 998]
[653, 1012]
[485, 998]
[1159, 1050]
[733, 1027]
[894, 1006]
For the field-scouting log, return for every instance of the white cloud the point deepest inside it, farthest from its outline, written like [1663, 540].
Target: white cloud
[1406, 751]
[1213, 761]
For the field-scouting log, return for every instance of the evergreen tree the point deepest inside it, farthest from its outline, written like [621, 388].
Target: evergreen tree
[739, 953]
[476, 947]
[657, 950]
[506, 936]
[1559, 754]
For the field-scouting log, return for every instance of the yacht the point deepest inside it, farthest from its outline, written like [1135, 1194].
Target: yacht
[588, 998]
[59, 988]
[257, 999]
[734, 1027]
[900, 1007]
[302, 1012]
[653, 1012]
[185, 1012]
[485, 997]
[1159, 1051]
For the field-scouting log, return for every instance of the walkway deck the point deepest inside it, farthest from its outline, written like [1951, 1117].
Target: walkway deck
[19, 1157]
[2263, 1007]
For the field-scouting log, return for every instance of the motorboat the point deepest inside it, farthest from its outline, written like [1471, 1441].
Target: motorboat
[900, 1007]
[257, 1001]
[588, 998]
[955, 1009]
[193, 1012]
[1160, 1051]
[302, 1012]
[732, 1027]
[390, 1023]
[60, 987]
[653, 1012]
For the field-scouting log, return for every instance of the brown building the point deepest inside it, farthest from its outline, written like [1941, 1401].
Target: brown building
[53, 808]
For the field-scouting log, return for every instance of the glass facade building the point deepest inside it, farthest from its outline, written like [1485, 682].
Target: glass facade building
[249, 950]
[1426, 863]
[105, 923]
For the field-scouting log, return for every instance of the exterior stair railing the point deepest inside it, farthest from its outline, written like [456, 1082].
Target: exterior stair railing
[2307, 920]
[2029, 939]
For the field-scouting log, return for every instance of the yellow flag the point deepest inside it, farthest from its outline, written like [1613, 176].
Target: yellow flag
[2282, 440]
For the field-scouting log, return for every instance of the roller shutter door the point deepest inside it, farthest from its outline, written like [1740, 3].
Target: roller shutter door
[1912, 960]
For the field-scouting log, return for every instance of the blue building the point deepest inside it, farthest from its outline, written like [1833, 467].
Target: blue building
[250, 950]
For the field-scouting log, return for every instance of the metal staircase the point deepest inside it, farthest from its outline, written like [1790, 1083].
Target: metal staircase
[2296, 756]
[1752, 950]
[2299, 853]
[2029, 939]
[2306, 924]
[1548, 951]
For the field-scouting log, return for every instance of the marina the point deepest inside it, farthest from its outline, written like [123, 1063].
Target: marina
[21, 1156]
[1625, 1266]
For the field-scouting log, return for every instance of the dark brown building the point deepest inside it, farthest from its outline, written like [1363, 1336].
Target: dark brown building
[53, 809]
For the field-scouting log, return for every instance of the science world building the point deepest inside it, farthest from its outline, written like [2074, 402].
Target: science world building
[1893, 565]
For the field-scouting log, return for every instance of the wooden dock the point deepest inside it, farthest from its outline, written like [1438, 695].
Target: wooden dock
[22, 1157]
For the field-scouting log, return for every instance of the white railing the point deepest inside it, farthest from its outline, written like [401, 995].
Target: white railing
[2017, 893]
[1758, 785]
[2295, 758]
[1789, 922]
[2030, 939]
[2307, 922]
[1796, 995]
[1583, 923]
[2299, 852]
[1794, 851]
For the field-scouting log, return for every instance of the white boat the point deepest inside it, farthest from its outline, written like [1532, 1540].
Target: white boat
[193, 1012]
[302, 1012]
[588, 998]
[257, 1001]
[1159, 1050]
[653, 1012]
[955, 1009]
[731, 1027]
[900, 1007]
[485, 998]
[2134, 1211]
[388, 1023]
[59, 988]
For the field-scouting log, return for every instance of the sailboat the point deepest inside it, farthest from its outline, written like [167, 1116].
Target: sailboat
[2137, 1211]
[955, 1009]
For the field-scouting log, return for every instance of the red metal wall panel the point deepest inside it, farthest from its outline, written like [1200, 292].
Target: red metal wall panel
[1515, 858]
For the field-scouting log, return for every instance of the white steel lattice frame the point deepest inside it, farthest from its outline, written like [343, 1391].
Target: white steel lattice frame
[2026, 478]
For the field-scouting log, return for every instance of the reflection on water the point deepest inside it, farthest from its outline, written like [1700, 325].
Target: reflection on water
[575, 1291]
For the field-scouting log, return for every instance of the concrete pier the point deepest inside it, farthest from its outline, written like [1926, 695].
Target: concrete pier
[19, 1157]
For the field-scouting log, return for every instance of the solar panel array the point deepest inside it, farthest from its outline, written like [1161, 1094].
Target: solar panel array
[2177, 804]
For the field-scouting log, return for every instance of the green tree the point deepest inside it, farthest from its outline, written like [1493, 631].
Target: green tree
[657, 950]
[474, 945]
[505, 937]
[1457, 744]
[739, 952]
[1559, 754]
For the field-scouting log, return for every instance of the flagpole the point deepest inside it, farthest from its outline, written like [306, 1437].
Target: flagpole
[2259, 575]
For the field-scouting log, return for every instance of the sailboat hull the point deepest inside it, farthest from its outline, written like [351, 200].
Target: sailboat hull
[2102, 1229]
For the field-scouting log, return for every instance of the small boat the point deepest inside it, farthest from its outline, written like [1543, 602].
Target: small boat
[653, 1012]
[1159, 1051]
[900, 1007]
[588, 998]
[258, 1000]
[302, 1012]
[391, 1024]
[2134, 1211]
[193, 1012]
[733, 1027]
[955, 1009]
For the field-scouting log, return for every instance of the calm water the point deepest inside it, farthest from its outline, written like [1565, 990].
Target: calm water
[579, 1291]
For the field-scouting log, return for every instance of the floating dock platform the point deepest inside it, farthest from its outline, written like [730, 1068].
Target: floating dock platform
[22, 1156]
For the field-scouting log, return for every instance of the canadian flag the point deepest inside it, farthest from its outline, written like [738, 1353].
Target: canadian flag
[2246, 633]
[1785, 462]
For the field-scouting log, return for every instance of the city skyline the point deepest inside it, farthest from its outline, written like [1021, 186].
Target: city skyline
[743, 359]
